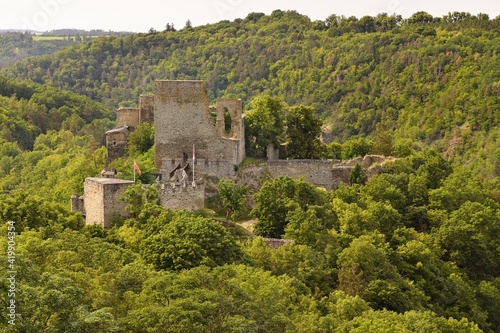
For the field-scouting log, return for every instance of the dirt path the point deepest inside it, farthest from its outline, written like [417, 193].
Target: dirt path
[248, 225]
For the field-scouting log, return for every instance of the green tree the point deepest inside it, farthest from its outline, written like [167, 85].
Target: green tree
[303, 130]
[141, 139]
[470, 237]
[264, 123]
[187, 241]
[355, 147]
[278, 197]
[357, 175]
[232, 197]
[383, 143]
[138, 196]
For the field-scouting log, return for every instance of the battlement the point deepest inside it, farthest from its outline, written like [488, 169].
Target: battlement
[182, 196]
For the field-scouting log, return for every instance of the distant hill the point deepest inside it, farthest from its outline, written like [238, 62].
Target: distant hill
[431, 80]
[16, 45]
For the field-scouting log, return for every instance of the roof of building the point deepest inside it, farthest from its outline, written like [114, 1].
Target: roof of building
[117, 130]
[109, 180]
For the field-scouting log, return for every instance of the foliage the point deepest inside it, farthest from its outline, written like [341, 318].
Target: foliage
[141, 139]
[137, 196]
[414, 248]
[278, 197]
[303, 130]
[264, 124]
[357, 175]
[232, 197]
[184, 241]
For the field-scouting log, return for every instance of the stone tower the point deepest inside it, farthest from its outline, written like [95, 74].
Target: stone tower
[182, 120]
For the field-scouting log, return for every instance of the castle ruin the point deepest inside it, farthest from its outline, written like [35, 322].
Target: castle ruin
[193, 142]
[187, 138]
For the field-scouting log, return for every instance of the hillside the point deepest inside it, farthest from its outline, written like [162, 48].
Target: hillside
[15, 46]
[49, 139]
[415, 248]
[433, 81]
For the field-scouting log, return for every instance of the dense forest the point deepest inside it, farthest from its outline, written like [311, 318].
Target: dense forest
[413, 249]
[432, 80]
[15, 46]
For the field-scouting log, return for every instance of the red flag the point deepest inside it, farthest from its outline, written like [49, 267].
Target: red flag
[136, 168]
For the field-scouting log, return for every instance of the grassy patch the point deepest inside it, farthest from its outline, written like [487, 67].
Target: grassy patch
[39, 38]
[248, 160]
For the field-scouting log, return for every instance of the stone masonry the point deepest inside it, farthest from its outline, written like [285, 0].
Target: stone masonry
[102, 199]
[182, 121]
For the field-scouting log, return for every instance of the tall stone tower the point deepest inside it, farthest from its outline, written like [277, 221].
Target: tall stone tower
[182, 120]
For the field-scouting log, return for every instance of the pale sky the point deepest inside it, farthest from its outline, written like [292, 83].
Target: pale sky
[140, 16]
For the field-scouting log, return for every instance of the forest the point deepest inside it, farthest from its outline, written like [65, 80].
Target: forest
[415, 248]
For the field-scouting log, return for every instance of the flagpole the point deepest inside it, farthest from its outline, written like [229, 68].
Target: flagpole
[193, 166]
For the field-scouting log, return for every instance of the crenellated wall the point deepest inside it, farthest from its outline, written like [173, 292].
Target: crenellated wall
[188, 197]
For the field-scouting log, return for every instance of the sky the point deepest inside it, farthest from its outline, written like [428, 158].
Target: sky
[140, 16]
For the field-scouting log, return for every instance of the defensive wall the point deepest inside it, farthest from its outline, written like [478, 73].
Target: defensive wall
[184, 126]
[182, 197]
[322, 173]
[132, 117]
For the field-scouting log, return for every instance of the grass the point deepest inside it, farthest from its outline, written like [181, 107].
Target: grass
[48, 38]
[248, 160]
[40, 37]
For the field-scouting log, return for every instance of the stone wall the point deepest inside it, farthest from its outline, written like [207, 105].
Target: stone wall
[317, 172]
[235, 108]
[77, 203]
[102, 199]
[322, 173]
[116, 142]
[182, 120]
[188, 198]
[127, 117]
[202, 167]
[146, 108]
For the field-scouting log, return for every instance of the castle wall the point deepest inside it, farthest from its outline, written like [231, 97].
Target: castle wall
[235, 109]
[317, 172]
[182, 120]
[116, 142]
[127, 117]
[102, 199]
[324, 173]
[188, 198]
[77, 203]
[219, 169]
[146, 108]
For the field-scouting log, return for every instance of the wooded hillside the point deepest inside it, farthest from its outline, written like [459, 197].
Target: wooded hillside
[413, 249]
[431, 80]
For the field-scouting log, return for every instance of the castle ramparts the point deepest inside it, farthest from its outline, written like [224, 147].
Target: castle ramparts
[190, 146]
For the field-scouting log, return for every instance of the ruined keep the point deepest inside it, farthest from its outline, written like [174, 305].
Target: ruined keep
[182, 121]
